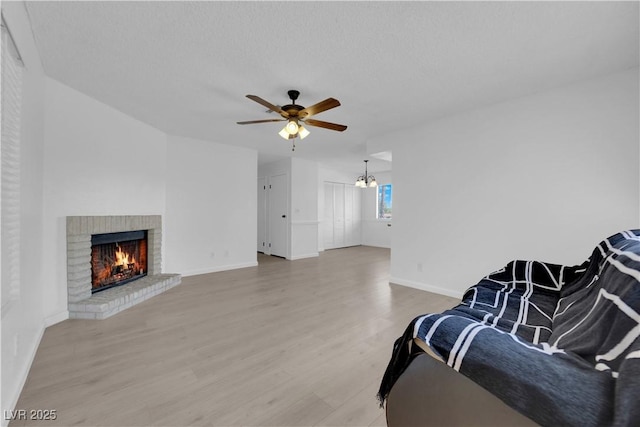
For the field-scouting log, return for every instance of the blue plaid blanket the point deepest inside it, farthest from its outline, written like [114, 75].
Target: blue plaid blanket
[560, 344]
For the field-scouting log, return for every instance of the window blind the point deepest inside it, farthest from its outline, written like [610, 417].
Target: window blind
[12, 68]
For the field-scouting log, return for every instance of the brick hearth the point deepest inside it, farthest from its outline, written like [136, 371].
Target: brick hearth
[81, 303]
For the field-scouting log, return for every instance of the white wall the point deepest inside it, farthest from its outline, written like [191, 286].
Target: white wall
[375, 232]
[211, 213]
[544, 177]
[98, 161]
[304, 208]
[23, 321]
[302, 204]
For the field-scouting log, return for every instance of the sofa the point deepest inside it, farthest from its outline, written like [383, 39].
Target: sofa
[531, 343]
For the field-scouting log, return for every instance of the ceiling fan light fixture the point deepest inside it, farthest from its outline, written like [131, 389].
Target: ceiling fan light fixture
[292, 127]
[283, 133]
[303, 132]
[294, 115]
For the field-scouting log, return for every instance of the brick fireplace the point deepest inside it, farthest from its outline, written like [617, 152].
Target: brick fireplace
[82, 303]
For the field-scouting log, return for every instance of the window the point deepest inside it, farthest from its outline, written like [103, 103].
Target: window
[10, 170]
[384, 201]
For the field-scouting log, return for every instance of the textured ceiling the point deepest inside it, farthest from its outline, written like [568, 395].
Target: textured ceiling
[185, 67]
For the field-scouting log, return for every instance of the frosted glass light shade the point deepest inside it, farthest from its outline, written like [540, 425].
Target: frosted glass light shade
[292, 127]
[303, 132]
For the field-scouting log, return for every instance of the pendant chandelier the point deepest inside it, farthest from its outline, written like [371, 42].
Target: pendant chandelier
[366, 180]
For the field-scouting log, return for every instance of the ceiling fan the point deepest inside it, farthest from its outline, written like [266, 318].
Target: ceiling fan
[296, 115]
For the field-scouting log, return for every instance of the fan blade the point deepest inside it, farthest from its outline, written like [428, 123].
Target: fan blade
[260, 121]
[326, 125]
[321, 106]
[268, 105]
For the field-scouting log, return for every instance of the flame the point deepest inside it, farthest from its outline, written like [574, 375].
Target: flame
[115, 263]
[122, 258]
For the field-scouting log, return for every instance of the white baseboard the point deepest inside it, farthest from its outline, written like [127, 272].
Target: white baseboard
[219, 268]
[374, 245]
[312, 255]
[31, 355]
[56, 318]
[428, 288]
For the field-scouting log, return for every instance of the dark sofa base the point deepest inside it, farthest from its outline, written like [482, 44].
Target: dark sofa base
[430, 393]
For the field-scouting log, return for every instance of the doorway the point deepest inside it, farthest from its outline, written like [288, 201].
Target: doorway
[273, 215]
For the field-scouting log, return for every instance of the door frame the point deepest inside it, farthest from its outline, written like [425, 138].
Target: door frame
[269, 219]
[262, 240]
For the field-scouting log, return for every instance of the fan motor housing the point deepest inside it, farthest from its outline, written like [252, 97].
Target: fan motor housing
[292, 109]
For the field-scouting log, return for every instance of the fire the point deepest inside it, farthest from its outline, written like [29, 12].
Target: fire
[122, 258]
[116, 263]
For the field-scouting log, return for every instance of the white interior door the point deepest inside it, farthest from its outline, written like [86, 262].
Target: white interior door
[262, 214]
[338, 215]
[327, 223]
[356, 217]
[349, 233]
[278, 215]
[342, 225]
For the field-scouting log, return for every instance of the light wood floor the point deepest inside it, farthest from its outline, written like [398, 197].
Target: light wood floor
[287, 343]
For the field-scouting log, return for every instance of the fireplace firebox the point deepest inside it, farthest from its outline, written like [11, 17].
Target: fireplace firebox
[117, 258]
